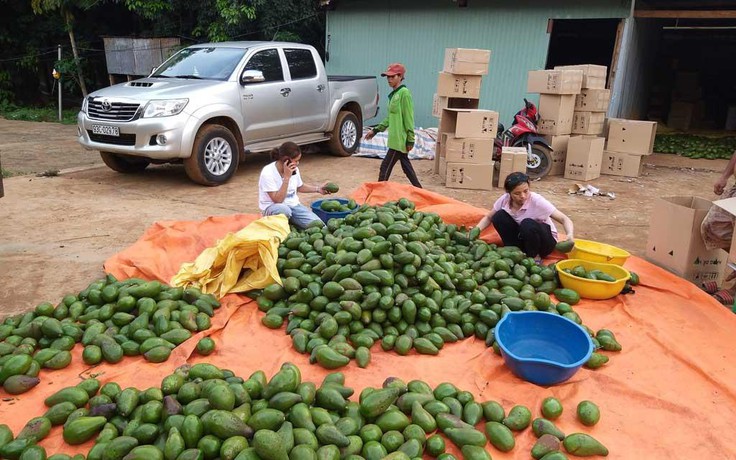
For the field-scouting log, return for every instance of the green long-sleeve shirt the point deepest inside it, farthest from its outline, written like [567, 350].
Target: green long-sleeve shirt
[400, 120]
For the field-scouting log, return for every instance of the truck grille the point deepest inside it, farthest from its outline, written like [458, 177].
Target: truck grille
[103, 109]
[123, 139]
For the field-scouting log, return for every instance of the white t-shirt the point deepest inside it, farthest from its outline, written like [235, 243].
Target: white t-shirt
[271, 180]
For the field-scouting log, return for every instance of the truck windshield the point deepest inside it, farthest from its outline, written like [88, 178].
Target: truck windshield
[201, 63]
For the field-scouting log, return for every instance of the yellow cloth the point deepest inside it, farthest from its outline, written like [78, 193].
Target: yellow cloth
[239, 262]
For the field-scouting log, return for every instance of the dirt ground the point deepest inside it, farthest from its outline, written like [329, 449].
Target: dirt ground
[57, 231]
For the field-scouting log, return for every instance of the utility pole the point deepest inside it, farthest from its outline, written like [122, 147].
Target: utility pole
[59, 88]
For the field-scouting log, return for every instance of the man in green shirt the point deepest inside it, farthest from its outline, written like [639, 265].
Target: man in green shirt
[400, 125]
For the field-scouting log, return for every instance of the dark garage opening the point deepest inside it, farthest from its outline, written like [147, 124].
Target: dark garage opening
[582, 41]
[693, 85]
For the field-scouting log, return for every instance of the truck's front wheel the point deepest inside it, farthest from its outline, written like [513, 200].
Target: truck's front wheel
[124, 163]
[215, 156]
[346, 134]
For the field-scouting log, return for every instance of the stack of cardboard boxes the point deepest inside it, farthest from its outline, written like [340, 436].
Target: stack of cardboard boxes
[585, 149]
[572, 107]
[627, 142]
[464, 151]
[557, 89]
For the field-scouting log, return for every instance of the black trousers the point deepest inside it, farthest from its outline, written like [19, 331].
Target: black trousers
[387, 165]
[534, 238]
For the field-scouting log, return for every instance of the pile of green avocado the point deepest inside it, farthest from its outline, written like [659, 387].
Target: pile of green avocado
[202, 412]
[693, 146]
[403, 278]
[111, 319]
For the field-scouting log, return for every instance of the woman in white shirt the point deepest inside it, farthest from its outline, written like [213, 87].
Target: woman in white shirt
[279, 183]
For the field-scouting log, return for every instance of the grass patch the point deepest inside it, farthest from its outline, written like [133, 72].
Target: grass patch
[44, 114]
[8, 173]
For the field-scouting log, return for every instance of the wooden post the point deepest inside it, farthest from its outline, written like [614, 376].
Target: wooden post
[2, 190]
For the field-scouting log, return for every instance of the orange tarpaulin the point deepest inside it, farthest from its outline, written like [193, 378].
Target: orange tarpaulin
[669, 394]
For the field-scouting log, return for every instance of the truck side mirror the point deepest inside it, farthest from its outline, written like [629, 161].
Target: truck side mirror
[252, 76]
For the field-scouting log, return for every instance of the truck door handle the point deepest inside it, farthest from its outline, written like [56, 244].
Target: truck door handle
[320, 88]
[285, 92]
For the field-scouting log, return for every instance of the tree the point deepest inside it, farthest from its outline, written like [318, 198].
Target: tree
[65, 8]
[216, 22]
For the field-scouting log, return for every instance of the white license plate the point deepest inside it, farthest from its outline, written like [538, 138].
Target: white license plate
[106, 130]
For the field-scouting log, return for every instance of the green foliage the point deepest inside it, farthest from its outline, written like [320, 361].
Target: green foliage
[27, 58]
[7, 173]
[70, 73]
[149, 9]
[6, 94]
[46, 114]
[63, 6]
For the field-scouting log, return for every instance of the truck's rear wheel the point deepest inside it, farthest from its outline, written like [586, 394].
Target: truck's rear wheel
[124, 163]
[215, 156]
[346, 134]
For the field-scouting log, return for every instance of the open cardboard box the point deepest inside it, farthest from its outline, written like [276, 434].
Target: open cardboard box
[674, 240]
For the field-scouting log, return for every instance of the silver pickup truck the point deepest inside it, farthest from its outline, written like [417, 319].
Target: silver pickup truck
[208, 105]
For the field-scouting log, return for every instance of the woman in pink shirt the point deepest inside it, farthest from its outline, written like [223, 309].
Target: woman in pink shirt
[524, 219]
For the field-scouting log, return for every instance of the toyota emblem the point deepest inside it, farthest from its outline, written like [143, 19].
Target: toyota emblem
[106, 105]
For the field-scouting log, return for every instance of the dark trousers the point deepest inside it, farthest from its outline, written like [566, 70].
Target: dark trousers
[534, 238]
[387, 165]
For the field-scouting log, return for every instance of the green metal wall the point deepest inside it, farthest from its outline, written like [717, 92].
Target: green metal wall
[363, 36]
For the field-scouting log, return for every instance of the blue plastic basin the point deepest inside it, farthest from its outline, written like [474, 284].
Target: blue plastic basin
[324, 215]
[542, 348]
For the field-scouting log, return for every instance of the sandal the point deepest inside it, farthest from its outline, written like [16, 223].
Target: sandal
[711, 287]
[724, 297]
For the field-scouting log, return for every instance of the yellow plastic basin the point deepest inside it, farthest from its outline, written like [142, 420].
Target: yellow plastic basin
[598, 252]
[593, 289]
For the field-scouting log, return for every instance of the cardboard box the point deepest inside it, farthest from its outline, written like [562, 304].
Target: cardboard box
[674, 240]
[631, 136]
[681, 115]
[594, 76]
[465, 61]
[590, 123]
[593, 100]
[621, 164]
[469, 176]
[554, 81]
[584, 157]
[439, 103]
[442, 171]
[451, 85]
[469, 123]
[513, 159]
[555, 114]
[437, 155]
[467, 150]
[559, 153]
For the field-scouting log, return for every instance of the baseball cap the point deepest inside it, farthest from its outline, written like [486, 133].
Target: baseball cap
[394, 69]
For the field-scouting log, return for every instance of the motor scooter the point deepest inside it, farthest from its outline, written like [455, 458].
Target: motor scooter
[523, 133]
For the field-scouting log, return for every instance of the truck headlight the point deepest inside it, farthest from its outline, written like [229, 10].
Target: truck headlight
[85, 103]
[164, 108]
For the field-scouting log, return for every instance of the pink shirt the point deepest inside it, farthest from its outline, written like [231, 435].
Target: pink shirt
[536, 207]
